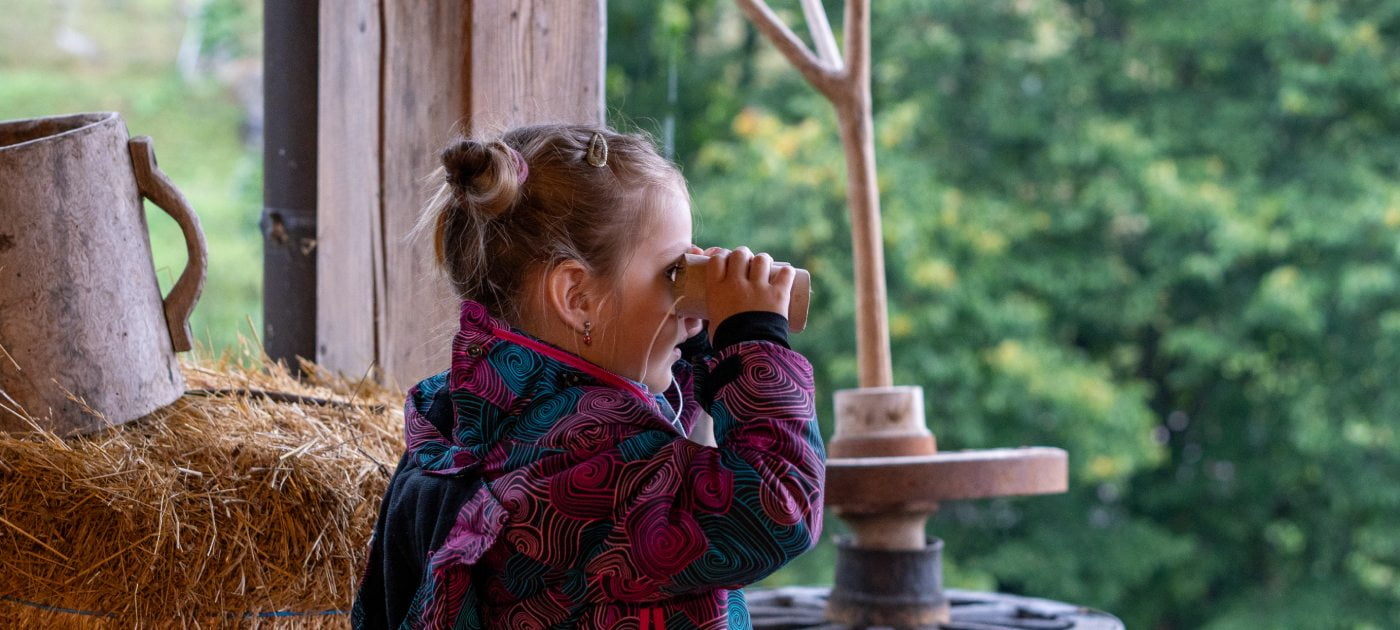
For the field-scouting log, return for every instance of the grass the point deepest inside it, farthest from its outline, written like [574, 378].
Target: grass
[194, 127]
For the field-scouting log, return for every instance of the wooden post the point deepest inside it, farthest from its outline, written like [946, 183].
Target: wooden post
[397, 79]
[290, 42]
[877, 419]
[846, 83]
[349, 236]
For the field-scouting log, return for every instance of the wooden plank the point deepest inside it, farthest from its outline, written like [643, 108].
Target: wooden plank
[424, 102]
[477, 68]
[536, 61]
[397, 79]
[349, 256]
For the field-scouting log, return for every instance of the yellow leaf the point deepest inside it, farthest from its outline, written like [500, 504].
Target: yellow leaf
[935, 274]
[901, 326]
[747, 122]
[1103, 467]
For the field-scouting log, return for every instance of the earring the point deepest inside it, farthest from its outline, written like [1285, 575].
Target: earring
[588, 333]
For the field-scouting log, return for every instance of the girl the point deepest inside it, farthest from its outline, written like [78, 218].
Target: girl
[547, 480]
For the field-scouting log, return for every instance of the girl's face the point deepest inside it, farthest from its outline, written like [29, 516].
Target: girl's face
[640, 331]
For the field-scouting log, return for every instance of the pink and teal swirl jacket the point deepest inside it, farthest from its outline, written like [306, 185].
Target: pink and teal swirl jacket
[538, 490]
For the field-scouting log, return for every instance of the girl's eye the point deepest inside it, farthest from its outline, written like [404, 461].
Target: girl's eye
[672, 271]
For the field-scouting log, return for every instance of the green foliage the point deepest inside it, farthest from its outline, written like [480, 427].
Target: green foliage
[1163, 236]
[231, 28]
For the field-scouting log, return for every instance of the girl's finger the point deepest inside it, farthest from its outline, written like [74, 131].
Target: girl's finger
[715, 268]
[760, 267]
[737, 265]
[693, 326]
[784, 278]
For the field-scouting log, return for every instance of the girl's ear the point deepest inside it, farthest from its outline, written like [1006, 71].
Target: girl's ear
[566, 288]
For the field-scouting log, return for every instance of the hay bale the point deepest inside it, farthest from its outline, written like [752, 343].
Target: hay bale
[218, 509]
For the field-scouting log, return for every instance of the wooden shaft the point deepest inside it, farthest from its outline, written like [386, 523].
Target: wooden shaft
[848, 88]
[822, 36]
[867, 248]
[853, 113]
[826, 79]
[896, 531]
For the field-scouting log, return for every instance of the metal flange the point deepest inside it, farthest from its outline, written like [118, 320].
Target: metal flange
[888, 588]
[875, 485]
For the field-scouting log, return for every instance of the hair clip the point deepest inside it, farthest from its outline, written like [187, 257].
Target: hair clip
[522, 170]
[597, 150]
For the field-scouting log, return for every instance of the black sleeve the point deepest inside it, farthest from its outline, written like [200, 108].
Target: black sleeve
[752, 326]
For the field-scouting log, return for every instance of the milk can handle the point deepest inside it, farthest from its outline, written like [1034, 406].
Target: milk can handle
[158, 188]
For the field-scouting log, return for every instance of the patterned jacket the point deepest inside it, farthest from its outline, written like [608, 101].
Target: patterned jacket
[538, 490]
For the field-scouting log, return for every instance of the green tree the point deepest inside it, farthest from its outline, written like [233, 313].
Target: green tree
[1164, 236]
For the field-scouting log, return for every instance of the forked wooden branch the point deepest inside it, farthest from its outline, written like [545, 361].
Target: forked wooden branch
[847, 86]
[820, 30]
[825, 78]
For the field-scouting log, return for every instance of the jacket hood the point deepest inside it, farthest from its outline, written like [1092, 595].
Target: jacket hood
[509, 388]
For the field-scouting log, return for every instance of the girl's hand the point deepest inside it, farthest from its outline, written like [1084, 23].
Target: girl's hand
[738, 281]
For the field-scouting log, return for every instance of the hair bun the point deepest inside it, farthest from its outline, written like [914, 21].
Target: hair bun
[482, 176]
[465, 161]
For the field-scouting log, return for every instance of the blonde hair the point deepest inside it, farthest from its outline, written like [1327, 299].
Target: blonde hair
[492, 227]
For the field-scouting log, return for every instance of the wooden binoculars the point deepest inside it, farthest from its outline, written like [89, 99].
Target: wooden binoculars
[690, 291]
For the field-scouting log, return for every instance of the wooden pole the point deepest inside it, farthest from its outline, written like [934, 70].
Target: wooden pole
[847, 86]
[877, 419]
[290, 36]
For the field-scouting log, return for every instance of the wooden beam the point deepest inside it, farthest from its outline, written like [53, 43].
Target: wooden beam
[535, 61]
[349, 259]
[426, 87]
[399, 78]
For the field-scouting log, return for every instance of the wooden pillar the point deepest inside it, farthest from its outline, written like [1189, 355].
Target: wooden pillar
[397, 79]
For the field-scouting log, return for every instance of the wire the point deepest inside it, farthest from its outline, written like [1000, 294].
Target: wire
[93, 613]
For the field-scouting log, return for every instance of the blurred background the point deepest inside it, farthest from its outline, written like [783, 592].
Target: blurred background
[1162, 236]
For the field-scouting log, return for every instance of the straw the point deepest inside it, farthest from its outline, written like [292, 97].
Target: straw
[248, 502]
